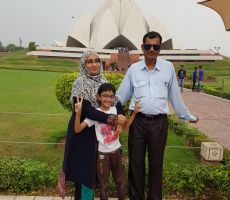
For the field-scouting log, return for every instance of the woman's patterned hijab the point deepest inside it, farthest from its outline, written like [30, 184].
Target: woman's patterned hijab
[86, 85]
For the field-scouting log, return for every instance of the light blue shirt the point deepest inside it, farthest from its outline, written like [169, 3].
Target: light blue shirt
[153, 88]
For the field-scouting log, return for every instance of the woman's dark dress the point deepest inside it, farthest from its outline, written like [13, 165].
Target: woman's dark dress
[80, 149]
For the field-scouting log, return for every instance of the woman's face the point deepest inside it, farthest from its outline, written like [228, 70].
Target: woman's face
[92, 64]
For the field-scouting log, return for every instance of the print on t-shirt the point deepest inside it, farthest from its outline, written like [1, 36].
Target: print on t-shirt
[108, 133]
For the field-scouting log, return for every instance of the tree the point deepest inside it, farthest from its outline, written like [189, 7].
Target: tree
[13, 47]
[32, 46]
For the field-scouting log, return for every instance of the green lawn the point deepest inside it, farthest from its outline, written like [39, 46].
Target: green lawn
[33, 92]
[172, 153]
[29, 88]
[19, 60]
[30, 92]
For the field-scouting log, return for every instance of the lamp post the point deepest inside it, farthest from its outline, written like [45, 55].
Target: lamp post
[20, 42]
[217, 49]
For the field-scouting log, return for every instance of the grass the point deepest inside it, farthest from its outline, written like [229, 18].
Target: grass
[30, 92]
[19, 60]
[172, 153]
[33, 92]
[30, 88]
[178, 155]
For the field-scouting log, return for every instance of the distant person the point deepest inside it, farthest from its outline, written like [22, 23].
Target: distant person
[181, 75]
[194, 78]
[153, 82]
[200, 78]
[109, 156]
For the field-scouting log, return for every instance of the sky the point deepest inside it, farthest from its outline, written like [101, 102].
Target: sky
[192, 26]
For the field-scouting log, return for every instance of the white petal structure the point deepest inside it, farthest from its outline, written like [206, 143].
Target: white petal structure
[79, 35]
[117, 23]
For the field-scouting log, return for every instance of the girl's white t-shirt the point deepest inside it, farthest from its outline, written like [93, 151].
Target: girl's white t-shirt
[108, 141]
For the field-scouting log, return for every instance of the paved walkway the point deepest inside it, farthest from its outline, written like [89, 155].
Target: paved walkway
[213, 113]
[38, 198]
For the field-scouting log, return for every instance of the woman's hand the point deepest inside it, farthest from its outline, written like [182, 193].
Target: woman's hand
[121, 119]
[78, 105]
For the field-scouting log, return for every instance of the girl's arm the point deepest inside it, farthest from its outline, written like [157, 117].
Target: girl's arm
[131, 118]
[130, 121]
[78, 126]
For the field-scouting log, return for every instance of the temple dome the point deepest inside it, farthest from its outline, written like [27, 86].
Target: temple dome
[117, 23]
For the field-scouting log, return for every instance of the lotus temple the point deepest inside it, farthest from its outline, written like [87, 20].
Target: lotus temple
[115, 31]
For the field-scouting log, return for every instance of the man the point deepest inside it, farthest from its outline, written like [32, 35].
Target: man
[200, 78]
[181, 75]
[194, 77]
[151, 81]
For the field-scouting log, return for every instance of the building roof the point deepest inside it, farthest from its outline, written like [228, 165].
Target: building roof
[171, 55]
[115, 24]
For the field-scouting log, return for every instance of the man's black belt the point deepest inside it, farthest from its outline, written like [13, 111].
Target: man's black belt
[151, 117]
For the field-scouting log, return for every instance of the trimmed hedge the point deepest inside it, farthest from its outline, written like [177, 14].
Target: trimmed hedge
[19, 175]
[192, 135]
[212, 91]
[65, 82]
[63, 89]
[181, 177]
[198, 179]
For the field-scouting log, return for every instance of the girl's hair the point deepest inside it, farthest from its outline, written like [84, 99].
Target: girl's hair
[106, 87]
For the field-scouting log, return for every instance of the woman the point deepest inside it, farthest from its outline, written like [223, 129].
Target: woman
[80, 149]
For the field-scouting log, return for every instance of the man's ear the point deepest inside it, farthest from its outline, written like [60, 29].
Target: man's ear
[142, 47]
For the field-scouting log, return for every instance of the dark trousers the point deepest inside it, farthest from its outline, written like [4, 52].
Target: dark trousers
[150, 133]
[193, 84]
[113, 162]
[77, 195]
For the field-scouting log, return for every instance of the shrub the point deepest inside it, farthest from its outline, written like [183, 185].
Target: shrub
[65, 82]
[180, 177]
[216, 92]
[192, 135]
[220, 177]
[13, 47]
[63, 89]
[18, 175]
[212, 91]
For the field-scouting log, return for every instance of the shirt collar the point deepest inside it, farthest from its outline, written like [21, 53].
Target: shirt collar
[157, 65]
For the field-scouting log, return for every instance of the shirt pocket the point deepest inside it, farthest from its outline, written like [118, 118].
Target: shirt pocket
[140, 89]
[162, 89]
